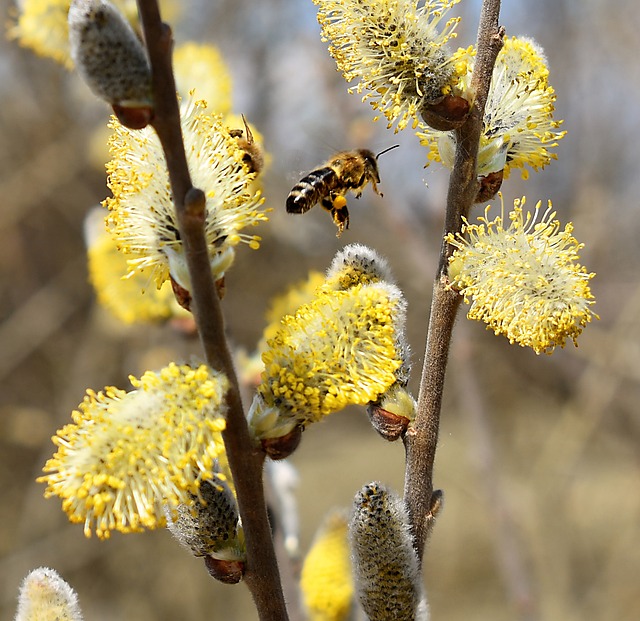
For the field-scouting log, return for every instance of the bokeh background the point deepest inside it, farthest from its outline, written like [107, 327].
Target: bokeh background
[539, 456]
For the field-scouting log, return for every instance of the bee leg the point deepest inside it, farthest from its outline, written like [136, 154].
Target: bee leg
[375, 188]
[340, 214]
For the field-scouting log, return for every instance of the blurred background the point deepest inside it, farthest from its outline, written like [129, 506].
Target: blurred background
[539, 456]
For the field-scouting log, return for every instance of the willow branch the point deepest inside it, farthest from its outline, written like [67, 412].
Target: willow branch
[422, 438]
[261, 576]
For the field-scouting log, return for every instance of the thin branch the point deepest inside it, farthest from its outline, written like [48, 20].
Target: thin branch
[262, 576]
[422, 438]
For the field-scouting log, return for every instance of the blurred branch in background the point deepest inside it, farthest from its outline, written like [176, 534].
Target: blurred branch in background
[511, 556]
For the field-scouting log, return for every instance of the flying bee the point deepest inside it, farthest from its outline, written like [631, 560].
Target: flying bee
[346, 170]
[253, 156]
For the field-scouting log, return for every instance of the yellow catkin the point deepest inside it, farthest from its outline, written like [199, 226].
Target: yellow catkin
[326, 581]
[523, 281]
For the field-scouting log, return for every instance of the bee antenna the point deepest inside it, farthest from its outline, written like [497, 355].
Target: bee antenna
[395, 146]
[247, 130]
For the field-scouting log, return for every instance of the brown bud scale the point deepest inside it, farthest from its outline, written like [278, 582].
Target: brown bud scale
[228, 572]
[133, 118]
[183, 296]
[389, 425]
[447, 114]
[282, 447]
[489, 186]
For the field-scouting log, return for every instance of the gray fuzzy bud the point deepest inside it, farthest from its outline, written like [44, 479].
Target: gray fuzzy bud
[108, 55]
[385, 564]
[356, 264]
[209, 527]
[45, 596]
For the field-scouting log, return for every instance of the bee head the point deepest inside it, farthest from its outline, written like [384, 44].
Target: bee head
[371, 161]
[370, 164]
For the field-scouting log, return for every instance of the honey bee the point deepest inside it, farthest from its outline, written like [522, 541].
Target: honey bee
[253, 156]
[327, 185]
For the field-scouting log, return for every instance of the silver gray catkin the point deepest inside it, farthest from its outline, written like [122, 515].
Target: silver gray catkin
[108, 54]
[388, 578]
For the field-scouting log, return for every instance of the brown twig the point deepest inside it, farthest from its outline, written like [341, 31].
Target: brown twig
[261, 576]
[422, 438]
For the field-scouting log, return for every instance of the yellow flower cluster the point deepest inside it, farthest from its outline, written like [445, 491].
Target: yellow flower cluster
[336, 351]
[130, 294]
[128, 454]
[519, 129]
[344, 347]
[288, 303]
[133, 299]
[326, 582]
[142, 215]
[41, 26]
[250, 365]
[202, 67]
[354, 264]
[394, 49]
[524, 281]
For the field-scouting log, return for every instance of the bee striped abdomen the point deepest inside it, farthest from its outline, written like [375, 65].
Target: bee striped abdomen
[311, 190]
